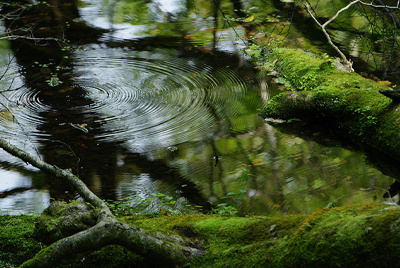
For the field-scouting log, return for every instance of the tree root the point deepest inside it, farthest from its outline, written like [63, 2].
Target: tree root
[104, 229]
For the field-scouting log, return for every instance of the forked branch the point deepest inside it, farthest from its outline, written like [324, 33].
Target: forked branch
[107, 230]
[347, 62]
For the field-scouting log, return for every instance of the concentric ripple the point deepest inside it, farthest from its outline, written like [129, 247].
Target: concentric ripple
[20, 107]
[149, 100]
[158, 102]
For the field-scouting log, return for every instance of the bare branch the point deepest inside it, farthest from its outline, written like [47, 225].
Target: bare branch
[75, 182]
[381, 6]
[372, 5]
[14, 37]
[348, 63]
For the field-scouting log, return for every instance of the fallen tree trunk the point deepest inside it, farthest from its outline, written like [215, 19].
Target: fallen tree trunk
[106, 229]
[347, 103]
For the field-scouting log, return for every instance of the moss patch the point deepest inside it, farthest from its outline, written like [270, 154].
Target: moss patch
[346, 102]
[16, 241]
[356, 236]
[353, 236]
[365, 235]
[112, 256]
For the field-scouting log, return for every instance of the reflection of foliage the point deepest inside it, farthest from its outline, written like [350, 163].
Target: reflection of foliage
[181, 22]
[365, 30]
[133, 12]
[309, 176]
[154, 204]
[228, 208]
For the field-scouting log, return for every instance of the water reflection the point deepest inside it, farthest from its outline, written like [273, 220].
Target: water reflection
[158, 99]
[280, 172]
[137, 113]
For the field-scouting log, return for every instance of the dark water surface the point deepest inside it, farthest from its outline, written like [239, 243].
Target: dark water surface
[147, 108]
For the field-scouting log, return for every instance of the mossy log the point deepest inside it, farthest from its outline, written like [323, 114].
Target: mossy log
[347, 103]
[366, 235]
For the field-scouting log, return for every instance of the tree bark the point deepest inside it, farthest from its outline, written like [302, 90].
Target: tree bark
[107, 230]
[113, 232]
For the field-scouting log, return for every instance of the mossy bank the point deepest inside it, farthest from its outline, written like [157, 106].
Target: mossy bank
[355, 236]
[347, 103]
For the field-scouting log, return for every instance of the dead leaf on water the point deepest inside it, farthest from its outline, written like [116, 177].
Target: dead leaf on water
[190, 36]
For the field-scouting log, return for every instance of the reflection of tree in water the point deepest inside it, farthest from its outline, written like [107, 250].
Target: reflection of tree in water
[55, 28]
[358, 174]
[285, 173]
[51, 75]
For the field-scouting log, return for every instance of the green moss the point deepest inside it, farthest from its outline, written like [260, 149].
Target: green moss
[60, 220]
[168, 225]
[16, 241]
[354, 236]
[348, 102]
[110, 256]
[303, 71]
[346, 236]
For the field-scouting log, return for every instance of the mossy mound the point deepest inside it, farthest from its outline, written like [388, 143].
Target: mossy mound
[354, 236]
[345, 102]
[60, 220]
[16, 241]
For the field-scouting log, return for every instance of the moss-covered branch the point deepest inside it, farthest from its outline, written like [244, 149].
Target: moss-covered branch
[113, 232]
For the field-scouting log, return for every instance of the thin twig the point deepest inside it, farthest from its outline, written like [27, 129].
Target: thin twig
[347, 62]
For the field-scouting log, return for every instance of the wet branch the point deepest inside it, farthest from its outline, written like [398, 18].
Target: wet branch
[73, 180]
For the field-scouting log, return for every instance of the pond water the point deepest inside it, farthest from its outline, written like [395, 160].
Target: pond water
[163, 106]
